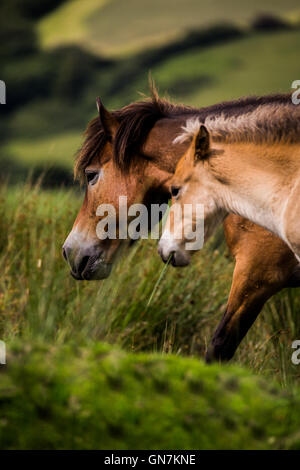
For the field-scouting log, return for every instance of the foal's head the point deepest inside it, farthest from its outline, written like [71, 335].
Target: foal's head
[194, 213]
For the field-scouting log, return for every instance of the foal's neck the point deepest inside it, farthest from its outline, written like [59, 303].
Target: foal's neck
[254, 181]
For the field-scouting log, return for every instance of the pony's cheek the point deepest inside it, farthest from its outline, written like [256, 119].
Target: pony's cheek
[111, 251]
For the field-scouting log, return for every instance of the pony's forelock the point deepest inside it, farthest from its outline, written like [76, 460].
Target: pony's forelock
[135, 122]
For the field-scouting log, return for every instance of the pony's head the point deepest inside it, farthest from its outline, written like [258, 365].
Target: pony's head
[114, 162]
[194, 213]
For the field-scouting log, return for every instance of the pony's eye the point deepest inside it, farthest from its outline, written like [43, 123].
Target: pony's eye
[91, 177]
[175, 191]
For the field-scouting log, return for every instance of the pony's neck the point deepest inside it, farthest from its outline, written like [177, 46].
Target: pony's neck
[257, 211]
[159, 146]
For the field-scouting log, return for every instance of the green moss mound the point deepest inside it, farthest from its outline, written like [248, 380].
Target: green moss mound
[99, 397]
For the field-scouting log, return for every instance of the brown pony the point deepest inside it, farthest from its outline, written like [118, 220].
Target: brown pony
[129, 152]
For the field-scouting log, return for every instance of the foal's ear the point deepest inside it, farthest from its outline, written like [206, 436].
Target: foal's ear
[202, 144]
[107, 120]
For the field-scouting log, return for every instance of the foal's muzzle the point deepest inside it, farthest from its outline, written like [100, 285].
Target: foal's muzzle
[86, 263]
[176, 257]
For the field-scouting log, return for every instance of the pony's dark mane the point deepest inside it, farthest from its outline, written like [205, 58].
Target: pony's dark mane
[137, 119]
[135, 122]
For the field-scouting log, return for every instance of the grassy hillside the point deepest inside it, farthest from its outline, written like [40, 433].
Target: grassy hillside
[101, 398]
[51, 99]
[50, 150]
[260, 64]
[255, 64]
[117, 26]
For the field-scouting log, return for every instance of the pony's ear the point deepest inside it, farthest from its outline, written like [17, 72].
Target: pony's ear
[107, 120]
[202, 144]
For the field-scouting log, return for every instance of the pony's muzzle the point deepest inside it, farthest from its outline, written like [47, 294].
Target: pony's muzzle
[86, 264]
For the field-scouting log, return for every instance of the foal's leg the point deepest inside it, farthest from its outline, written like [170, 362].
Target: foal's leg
[264, 265]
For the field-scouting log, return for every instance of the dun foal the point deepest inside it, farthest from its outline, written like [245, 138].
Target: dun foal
[249, 166]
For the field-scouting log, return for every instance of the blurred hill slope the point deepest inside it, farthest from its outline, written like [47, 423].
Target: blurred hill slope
[257, 64]
[114, 27]
[51, 91]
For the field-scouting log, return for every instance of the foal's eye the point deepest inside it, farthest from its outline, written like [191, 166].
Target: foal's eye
[91, 177]
[175, 191]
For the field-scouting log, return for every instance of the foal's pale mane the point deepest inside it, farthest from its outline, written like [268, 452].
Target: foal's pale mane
[137, 119]
[267, 123]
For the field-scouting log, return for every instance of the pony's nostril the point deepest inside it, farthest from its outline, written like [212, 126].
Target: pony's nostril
[64, 253]
[83, 264]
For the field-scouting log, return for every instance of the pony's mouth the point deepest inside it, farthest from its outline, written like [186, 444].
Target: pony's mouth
[92, 268]
[180, 260]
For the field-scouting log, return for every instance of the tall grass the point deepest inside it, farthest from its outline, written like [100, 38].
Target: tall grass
[40, 301]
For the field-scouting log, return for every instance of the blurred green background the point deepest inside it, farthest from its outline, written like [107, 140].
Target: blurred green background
[56, 58]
